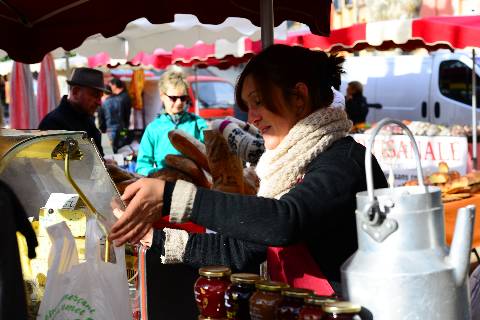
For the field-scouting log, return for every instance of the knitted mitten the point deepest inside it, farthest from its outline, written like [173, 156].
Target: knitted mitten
[242, 138]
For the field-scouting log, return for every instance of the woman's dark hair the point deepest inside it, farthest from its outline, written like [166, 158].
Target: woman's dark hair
[284, 66]
[356, 86]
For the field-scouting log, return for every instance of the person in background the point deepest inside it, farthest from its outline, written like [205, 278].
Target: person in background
[119, 90]
[76, 111]
[356, 103]
[155, 144]
[310, 173]
[110, 117]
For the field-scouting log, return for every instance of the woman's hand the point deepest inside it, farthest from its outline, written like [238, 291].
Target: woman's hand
[145, 202]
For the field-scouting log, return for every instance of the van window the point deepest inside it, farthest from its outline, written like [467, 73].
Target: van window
[214, 94]
[455, 81]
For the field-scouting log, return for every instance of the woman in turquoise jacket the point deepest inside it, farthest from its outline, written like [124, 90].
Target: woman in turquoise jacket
[155, 144]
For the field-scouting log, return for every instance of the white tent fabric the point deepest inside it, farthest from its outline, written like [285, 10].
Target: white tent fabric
[140, 35]
[60, 64]
[48, 93]
[23, 110]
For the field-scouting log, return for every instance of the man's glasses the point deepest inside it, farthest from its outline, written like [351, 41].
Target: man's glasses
[175, 98]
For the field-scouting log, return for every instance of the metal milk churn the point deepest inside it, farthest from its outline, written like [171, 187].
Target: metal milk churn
[403, 268]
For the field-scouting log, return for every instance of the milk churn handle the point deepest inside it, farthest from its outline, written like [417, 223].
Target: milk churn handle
[368, 156]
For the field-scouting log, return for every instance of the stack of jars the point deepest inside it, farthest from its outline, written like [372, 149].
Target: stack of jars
[221, 295]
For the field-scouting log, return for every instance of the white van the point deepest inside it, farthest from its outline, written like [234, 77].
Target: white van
[434, 88]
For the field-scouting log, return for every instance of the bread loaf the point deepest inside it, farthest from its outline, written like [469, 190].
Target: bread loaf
[189, 147]
[118, 174]
[459, 185]
[170, 175]
[121, 186]
[411, 183]
[190, 168]
[453, 175]
[443, 167]
[226, 168]
[438, 177]
[473, 177]
[251, 181]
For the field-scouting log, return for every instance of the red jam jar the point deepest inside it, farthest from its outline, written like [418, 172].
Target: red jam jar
[210, 290]
[341, 310]
[238, 295]
[264, 301]
[292, 302]
[312, 310]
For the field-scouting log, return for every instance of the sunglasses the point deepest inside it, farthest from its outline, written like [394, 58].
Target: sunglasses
[175, 98]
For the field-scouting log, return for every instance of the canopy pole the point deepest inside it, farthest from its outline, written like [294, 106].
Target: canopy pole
[67, 64]
[474, 111]
[266, 22]
[197, 94]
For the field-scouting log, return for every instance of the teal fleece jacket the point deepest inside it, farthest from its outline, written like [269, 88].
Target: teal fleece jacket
[155, 144]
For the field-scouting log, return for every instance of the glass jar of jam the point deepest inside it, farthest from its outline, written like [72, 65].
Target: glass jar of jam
[341, 310]
[238, 295]
[312, 310]
[292, 301]
[263, 302]
[210, 290]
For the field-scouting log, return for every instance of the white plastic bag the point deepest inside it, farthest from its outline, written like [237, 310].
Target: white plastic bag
[93, 290]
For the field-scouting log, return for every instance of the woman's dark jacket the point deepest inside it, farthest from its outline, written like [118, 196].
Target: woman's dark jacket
[357, 108]
[319, 211]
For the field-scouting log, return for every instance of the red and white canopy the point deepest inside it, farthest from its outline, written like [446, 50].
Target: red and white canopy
[30, 29]
[431, 33]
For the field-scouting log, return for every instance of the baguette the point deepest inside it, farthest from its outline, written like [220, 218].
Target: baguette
[190, 168]
[226, 167]
[189, 147]
[170, 175]
[251, 181]
[118, 174]
[121, 186]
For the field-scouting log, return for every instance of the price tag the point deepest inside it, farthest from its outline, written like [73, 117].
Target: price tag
[62, 201]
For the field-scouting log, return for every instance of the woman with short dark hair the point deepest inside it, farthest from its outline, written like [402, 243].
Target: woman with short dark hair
[309, 175]
[355, 103]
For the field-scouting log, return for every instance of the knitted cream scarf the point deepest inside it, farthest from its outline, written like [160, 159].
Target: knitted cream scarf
[280, 169]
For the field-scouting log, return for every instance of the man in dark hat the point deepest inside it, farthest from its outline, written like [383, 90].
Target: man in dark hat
[76, 111]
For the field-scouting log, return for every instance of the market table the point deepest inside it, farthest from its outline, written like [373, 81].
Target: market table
[451, 214]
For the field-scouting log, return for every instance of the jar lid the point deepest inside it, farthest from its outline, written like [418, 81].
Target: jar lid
[214, 271]
[270, 285]
[249, 278]
[318, 300]
[296, 292]
[341, 307]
